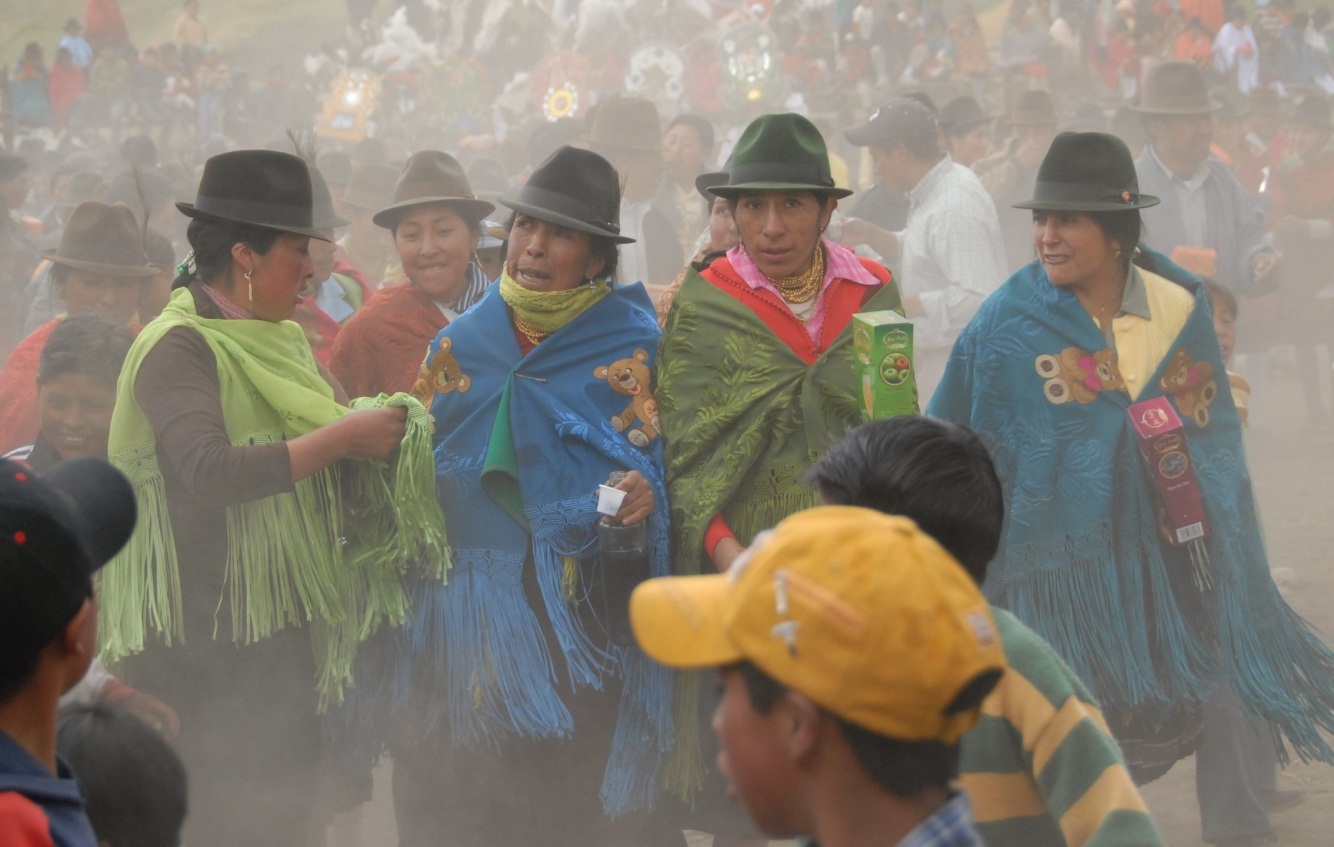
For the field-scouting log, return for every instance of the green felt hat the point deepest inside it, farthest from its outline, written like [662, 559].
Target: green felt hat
[780, 153]
[1087, 172]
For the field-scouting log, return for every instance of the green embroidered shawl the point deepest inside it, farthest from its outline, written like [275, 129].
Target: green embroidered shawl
[292, 557]
[743, 416]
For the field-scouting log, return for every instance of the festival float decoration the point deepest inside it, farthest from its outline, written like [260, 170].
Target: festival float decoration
[561, 86]
[752, 71]
[349, 106]
[657, 72]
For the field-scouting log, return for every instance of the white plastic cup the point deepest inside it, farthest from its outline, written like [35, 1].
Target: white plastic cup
[609, 500]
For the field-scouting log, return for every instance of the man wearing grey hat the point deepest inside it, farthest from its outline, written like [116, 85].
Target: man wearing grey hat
[949, 257]
[1207, 220]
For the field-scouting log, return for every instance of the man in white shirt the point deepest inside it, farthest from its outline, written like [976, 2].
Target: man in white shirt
[949, 257]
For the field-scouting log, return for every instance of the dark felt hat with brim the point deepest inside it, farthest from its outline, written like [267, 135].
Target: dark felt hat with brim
[628, 125]
[1087, 172]
[264, 188]
[575, 188]
[962, 114]
[104, 240]
[430, 177]
[322, 213]
[370, 187]
[780, 153]
[1176, 88]
[1033, 108]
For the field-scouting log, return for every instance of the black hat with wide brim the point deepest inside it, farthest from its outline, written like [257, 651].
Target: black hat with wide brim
[1087, 172]
[780, 153]
[264, 188]
[575, 188]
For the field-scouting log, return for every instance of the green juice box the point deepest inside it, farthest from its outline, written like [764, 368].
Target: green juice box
[882, 344]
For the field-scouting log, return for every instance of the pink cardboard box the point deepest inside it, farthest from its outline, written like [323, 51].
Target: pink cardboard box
[1162, 443]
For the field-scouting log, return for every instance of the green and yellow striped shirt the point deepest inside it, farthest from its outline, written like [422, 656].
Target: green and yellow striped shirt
[1040, 767]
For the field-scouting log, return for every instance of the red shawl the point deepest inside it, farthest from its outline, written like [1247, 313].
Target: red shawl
[18, 387]
[381, 347]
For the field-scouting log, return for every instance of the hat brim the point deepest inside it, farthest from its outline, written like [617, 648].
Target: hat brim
[1144, 201]
[708, 180]
[468, 207]
[960, 127]
[564, 220]
[103, 268]
[1212, 107]
[189, 210]
[863, 136]
[733, 190]
[678, 621]
[332, 223]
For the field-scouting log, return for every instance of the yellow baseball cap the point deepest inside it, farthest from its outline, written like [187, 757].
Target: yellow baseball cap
[860, 611]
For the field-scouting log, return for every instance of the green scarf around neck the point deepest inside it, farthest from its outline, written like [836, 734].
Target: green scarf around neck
[294, 557]
[548, 311]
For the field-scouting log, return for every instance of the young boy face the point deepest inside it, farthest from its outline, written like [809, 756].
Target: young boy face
[754, 758]
[1225, 325]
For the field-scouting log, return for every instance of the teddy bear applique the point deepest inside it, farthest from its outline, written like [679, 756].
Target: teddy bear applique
[1074, 374]
[632, 378]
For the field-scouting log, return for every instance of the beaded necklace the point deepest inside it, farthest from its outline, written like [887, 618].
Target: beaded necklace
[802, 287]
[532, 333]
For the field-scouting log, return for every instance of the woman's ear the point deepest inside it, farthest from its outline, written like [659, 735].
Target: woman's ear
[594, 266]
[244, 256]
[830, 204]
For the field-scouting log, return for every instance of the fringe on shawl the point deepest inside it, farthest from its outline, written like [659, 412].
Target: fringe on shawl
[476, 651]
[1280, 670]
[1115, 651]
[643, 734]
[287, 563]
[142, 586]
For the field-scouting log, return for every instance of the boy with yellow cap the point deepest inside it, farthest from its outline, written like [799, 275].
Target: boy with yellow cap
[854, 652]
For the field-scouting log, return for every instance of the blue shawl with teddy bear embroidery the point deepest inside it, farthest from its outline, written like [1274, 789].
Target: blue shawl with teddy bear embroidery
[522, 443]
[1082, 560]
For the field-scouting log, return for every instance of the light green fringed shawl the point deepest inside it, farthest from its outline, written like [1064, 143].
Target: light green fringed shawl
[295, 557]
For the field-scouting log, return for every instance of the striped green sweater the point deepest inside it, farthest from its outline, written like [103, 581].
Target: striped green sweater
[1040, 767]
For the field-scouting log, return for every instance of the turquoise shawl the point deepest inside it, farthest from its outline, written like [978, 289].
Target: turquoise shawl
[1082, 560]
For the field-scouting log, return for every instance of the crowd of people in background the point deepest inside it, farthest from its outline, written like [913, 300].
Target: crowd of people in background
[364, 330]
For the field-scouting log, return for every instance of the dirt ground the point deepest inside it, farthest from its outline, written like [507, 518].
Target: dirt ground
[1292, 468]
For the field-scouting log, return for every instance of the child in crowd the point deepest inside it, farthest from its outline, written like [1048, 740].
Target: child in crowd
[76, 389]
[133, 782]
[1040, 768]
[56, 530]
[1223, 304]
[854, 652]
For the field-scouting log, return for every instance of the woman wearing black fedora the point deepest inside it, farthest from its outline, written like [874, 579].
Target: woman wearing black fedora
[435, 221]
[99, 266]
[234, 441]
[1171, 617]
[533, 717]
